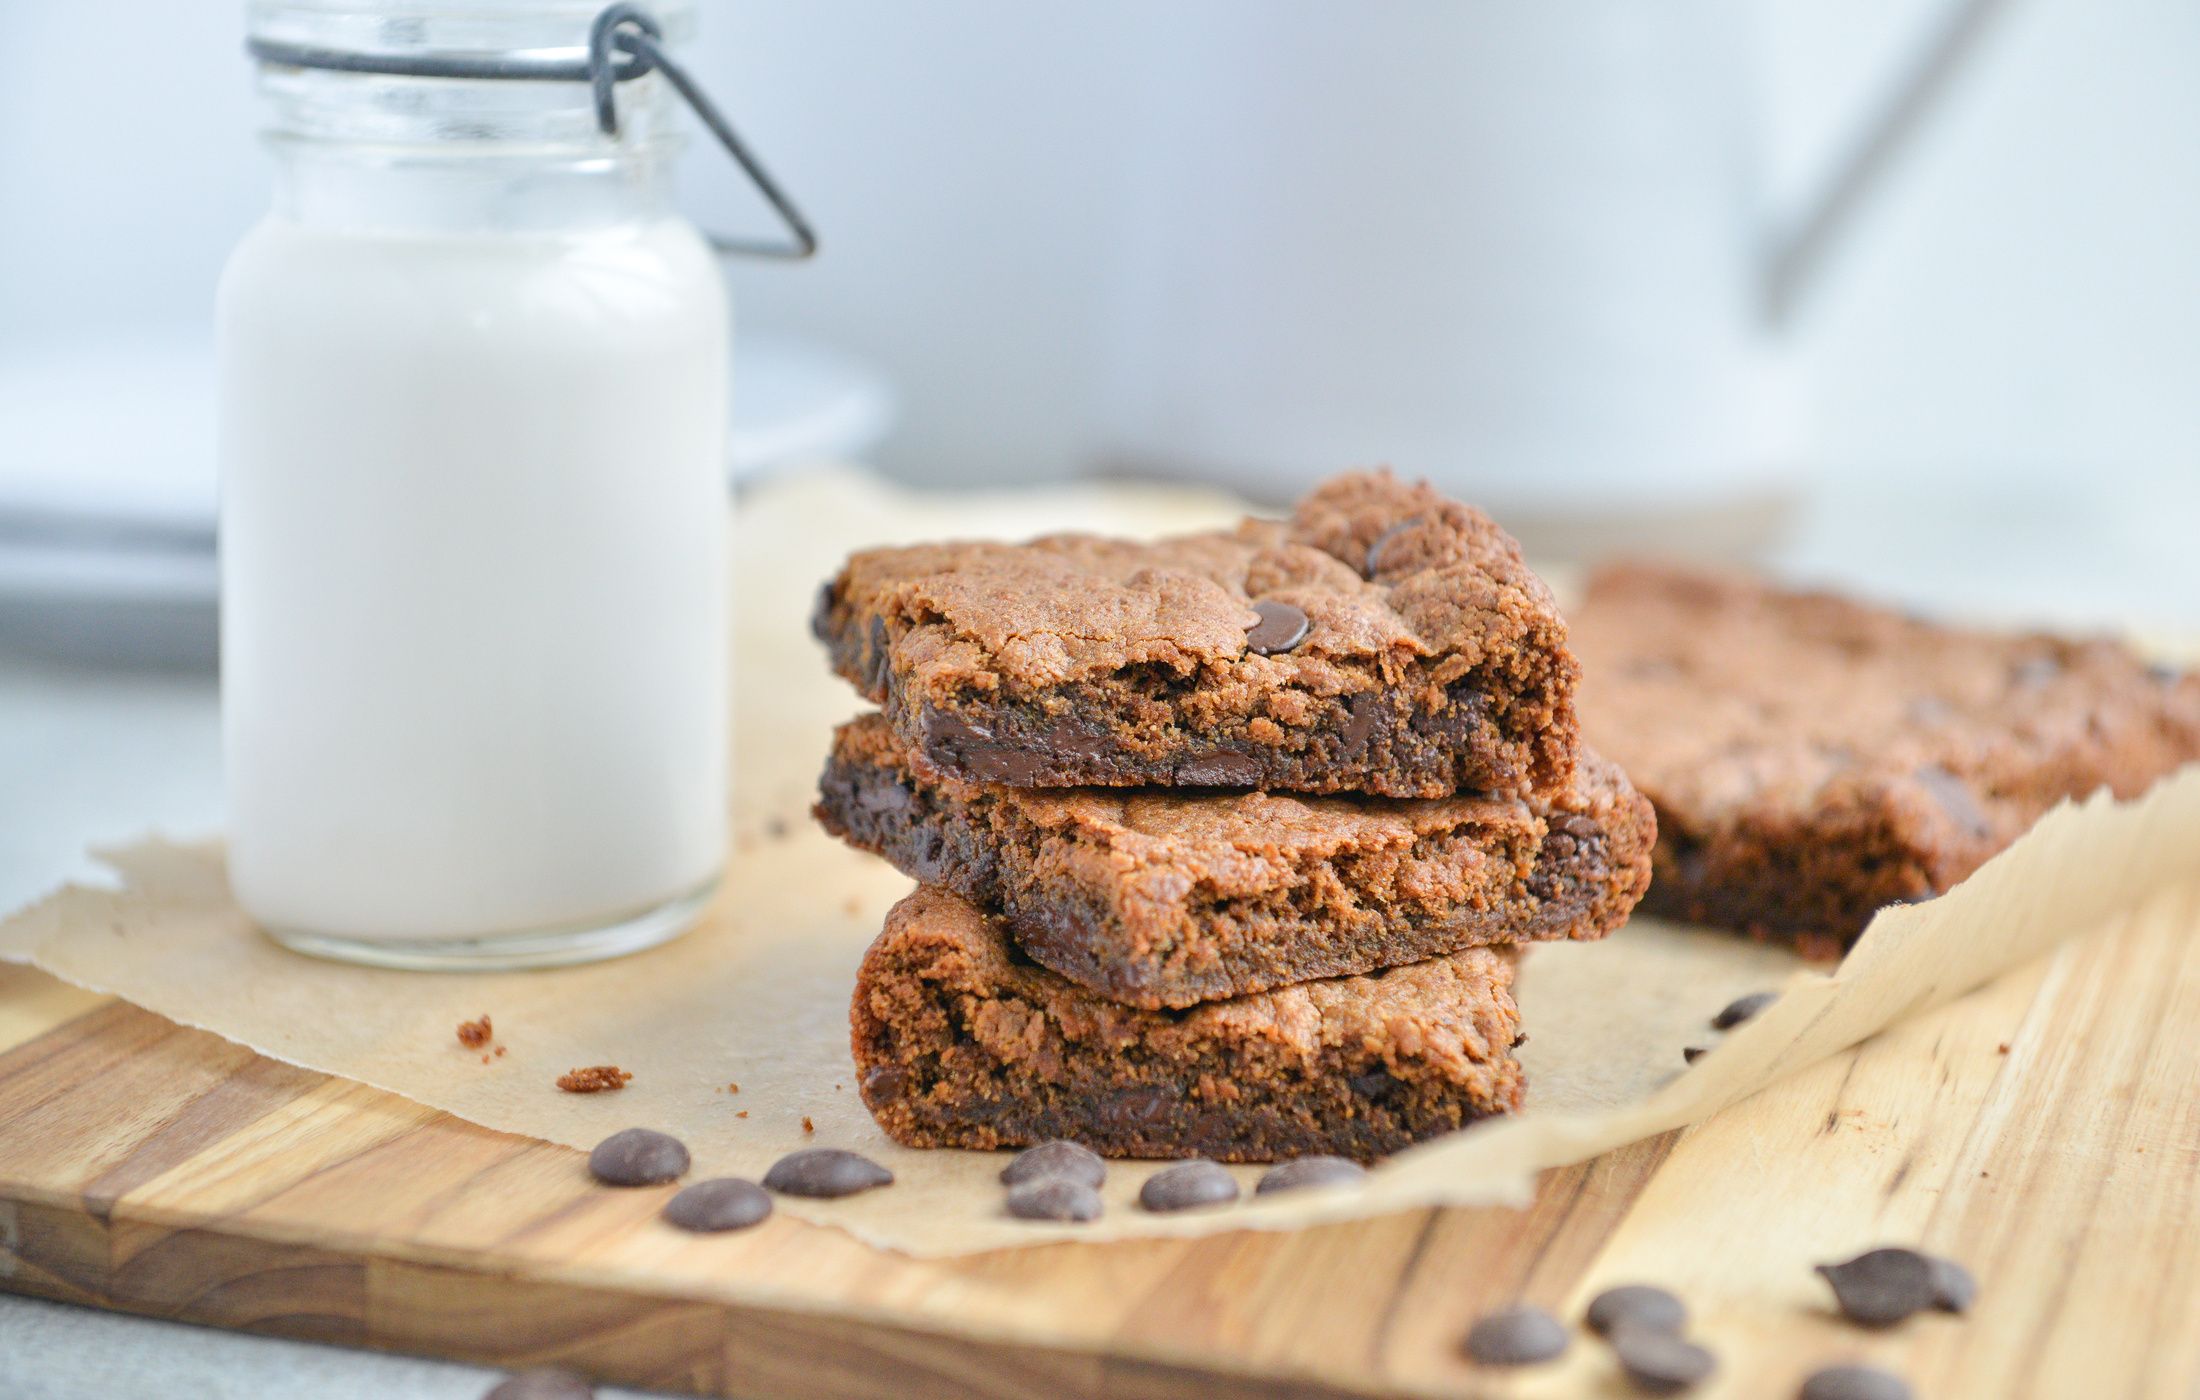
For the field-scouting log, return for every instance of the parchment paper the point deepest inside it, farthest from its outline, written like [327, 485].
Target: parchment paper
[758, 995]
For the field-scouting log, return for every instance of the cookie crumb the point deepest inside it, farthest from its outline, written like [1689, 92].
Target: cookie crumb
[807, 1125]
[474, 1034]
[851, 906]
[500, 1052]
[776, 828]
[733, 1088]
[742, 1114]
[594, 1079]
[2002, 1049]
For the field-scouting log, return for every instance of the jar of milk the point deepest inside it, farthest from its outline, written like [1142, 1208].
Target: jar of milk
[474, 510]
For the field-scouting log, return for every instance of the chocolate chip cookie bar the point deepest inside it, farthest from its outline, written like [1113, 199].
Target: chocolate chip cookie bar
[961, 1042]
[1812, 758]
[1159, 898]
[1382, 640]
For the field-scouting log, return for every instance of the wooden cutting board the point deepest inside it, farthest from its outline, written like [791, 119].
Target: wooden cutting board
[2045, 1130]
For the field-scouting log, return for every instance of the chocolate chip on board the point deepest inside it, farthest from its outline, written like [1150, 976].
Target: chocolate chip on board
[1661, 1363]
[1282, 626]
[1693, 1053]
[1636, 1305]
[1954, 1290]
[1854, 1383]
[1741, 1009]
[1188, 1185]
[542, 1383]
[1311, 1171]
[638, 1157]
[825, 1173]
[724, 1203]
[1053, 1198]
[1880, 1287]
[1522, 1335]
[1070, 1161]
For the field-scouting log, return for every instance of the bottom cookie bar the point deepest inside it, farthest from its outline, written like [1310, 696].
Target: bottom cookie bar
[960, 1041]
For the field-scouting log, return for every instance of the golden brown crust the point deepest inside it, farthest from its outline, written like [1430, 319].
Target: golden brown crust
[1434, 660]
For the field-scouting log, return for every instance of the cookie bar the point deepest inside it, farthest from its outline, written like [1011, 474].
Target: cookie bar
[1382, 640]
[960, 1042]
[1161, 898]
[1813, 758]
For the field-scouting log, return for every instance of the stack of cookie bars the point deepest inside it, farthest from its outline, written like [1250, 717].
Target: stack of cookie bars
[1225, 842]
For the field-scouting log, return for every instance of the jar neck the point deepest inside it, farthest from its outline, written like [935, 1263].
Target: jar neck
[485, 189]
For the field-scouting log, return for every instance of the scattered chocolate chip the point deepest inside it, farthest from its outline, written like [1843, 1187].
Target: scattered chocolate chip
[594, 1079]
[825, 1172]
[1693, 1053]
[1053, 1198]
[1954, 1290]
[1067, 1160]
[1188, 1185]
[1311, 1171]
[474, 1034]
[724, 1203]
[1741, 1009]
[1880, 1287]
[638, 1157]
[1637, 1305]
[1517, 1336]
[1661, 1363]
[542, 1383]
[1854, 1383]
[1281, 627]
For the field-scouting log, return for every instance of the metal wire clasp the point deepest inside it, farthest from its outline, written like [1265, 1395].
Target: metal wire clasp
[623, 44]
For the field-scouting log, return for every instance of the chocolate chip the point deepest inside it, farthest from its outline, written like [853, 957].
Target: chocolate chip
[1365, 715]
[1188, 1185]
[1741, 1009]
[884, 1082]
[1636, 1305]
[825, 1173]
[1376, 1084]
[1660, 1363]
[1382, 541]
[1053, 1198]
[821, 612]
[1232, 770]
[1281, 627]
[1136, 1108]
[638, 1157]
[1854, 1383]
[1517, 1336]
[1068, 1161]
[2036, 671]
[1311, 1171]
[725, 1203]
[1954, 1290]
[1693, 1053]
[1955, 798]
[1880, 1287]
[542, 1383]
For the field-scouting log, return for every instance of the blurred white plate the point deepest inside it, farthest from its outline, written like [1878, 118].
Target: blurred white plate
[108, 497]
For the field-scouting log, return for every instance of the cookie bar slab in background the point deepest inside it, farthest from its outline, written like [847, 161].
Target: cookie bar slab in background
[1383, 640]
[1163, 898]
[1813, 758]
[961, 1042]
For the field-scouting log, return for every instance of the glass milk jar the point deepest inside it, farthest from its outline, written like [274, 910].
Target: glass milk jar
[474, 513]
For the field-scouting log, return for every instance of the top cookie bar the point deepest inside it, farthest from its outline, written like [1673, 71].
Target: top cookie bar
[1812, 758]
[1384, 640]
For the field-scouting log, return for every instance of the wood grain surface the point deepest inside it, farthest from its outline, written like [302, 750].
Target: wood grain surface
[2045, 1130]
